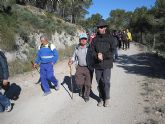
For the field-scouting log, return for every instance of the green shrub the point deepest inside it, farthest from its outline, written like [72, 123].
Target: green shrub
[7, 34]
[18, 67]
[70, 30]
[65, 53]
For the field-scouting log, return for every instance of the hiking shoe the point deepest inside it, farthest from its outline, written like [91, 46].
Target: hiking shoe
[38, 82]
[8, 108]
[47, 93]
[57, 87]
[86, 99]
[107, 103]
[100, 103]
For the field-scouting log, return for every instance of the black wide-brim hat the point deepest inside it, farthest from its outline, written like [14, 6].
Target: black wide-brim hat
[102, 23]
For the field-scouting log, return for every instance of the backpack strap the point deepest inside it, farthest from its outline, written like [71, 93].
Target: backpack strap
[49, 46]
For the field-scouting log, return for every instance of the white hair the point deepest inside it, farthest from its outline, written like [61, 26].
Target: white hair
[44, 37]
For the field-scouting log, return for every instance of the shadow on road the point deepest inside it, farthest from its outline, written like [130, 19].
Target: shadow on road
[145, 64]
[67, 81]
[151, 66]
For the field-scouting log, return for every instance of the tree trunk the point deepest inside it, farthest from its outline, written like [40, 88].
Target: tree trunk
[141, 37]
[153, 46]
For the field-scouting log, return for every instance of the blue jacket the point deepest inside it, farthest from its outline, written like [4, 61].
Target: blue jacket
[46, 54]
[4, 72]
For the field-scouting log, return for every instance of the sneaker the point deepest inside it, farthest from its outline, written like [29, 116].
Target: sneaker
[100, 103]
[47, 93]
[38, 82]
[57, 87]
[8, 108]
[86, 99]
[107, 103]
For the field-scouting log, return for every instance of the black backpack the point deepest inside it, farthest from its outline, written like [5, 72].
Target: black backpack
[12, 91]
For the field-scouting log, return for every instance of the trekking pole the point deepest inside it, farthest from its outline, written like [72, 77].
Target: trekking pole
[35, 67]
[70, 67]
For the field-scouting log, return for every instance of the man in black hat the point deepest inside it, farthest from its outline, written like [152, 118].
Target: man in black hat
[103, 46]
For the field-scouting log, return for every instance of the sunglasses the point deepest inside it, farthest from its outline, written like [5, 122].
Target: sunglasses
[101, 27]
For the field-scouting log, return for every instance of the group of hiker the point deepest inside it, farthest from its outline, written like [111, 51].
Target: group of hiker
[97, 52]
[91, 54]
[94, 53]
[124, 37]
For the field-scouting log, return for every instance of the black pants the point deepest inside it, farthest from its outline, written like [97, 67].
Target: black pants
[128, 44]
[103, 79]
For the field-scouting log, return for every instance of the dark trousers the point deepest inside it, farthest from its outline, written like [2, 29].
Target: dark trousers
[125, 42]
[119, 45]
[83, 79]
[128, 44]
[91, 73]
[103, 79]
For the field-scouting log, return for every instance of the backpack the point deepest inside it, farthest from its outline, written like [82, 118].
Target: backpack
[12, 91]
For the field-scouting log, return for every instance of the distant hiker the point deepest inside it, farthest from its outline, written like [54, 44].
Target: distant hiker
[103, 47]
[124, 40]
[119, 38]
[5, 104]
[129, 38]
[116, 42]
[47, 56]
[82, 76]
[93, 35]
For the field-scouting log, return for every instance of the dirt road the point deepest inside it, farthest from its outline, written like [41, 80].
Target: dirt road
[127, 104]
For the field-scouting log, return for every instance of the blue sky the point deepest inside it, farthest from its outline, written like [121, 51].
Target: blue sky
[104, 7]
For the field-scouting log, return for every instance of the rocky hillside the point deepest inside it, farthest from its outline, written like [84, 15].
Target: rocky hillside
[21, 30]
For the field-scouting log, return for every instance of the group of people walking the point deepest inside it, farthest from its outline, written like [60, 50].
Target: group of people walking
[124, 37]
[91, 55]
[96, 55]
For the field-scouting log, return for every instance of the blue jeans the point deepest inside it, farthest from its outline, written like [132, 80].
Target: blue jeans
[4, 102]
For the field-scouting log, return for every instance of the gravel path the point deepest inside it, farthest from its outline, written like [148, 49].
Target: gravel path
[127, 104]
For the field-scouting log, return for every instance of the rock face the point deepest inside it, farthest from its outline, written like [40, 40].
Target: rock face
[23, 49]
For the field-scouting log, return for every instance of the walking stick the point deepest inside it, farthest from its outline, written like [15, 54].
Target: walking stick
[70, 67]
[35, 67]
